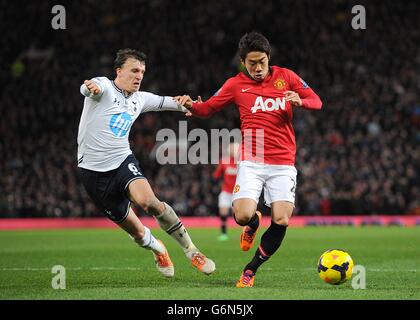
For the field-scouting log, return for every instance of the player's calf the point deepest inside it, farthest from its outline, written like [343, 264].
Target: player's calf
[172, 225]
[271, 240]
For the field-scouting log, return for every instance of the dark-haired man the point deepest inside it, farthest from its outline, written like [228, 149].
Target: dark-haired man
[110, 172]
[265, 96]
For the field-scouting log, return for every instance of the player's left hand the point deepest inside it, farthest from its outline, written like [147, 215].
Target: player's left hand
[184, 101]
[294, 98]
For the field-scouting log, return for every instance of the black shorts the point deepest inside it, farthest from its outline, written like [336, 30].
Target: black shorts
[109, 189]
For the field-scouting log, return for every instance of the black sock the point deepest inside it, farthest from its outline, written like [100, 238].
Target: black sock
[270, 242]
[223, 225]
[254, 222]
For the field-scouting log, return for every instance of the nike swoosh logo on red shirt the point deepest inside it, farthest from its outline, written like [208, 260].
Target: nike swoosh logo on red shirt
[245, 90]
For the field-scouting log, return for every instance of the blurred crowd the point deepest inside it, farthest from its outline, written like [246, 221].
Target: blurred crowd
[358, 155]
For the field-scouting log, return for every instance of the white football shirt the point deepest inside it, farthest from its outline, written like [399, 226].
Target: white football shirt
[106, 121]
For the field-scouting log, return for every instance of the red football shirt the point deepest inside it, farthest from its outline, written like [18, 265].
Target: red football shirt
[263, 108]
[228, 170]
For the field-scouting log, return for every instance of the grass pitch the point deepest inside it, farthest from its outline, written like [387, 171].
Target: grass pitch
[106, 264]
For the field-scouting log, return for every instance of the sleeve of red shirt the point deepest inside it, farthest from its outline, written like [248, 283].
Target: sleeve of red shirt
[310, 100]
[218, 172]
[221, 99]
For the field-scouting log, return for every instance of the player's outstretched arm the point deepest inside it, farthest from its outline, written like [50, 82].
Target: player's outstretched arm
[198, 108]
[185, 101]
[204, 109]
[154, 102]
[189, 104]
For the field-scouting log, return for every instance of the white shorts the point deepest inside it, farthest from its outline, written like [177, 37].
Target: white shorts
[278, 181]
[225, 200]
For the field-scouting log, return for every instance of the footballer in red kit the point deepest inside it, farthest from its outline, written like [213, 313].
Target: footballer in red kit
[263, 105]
[265, 96]
[226, 170]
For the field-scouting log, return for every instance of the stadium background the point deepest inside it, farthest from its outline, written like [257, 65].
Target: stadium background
[358, 155]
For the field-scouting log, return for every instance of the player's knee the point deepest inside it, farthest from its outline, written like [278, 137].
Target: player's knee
[242, 221]
[143, 203]
[241, 217]
[151, 206]
[281, 220]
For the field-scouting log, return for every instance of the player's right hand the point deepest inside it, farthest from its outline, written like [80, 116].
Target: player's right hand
[92, 87]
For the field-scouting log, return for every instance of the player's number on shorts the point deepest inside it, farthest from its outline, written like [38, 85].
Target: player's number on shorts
[133, 169]
[294, 186]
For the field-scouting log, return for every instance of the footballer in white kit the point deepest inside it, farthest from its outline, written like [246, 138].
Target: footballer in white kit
[110, 172]
[106, 122]
[103, 140]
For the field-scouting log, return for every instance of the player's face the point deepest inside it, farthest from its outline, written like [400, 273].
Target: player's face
[256, 63]
[131, 74]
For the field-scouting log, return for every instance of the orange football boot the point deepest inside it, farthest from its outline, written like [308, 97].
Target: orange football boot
[164, 263]
[203, 264]
[246, 280]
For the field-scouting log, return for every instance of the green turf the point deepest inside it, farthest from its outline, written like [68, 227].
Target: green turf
[105, 264]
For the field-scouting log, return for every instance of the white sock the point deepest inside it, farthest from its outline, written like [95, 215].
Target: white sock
[150, 242]
[173, 226]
